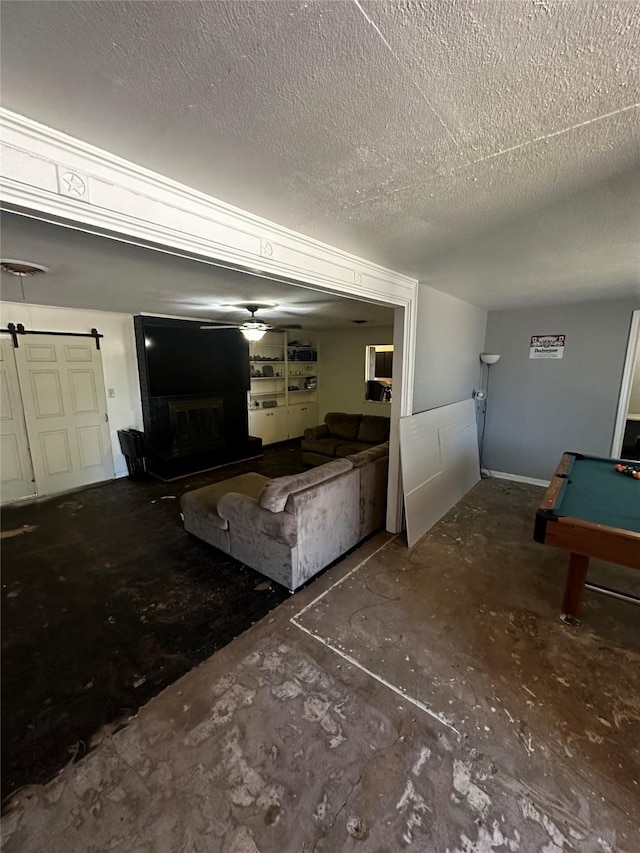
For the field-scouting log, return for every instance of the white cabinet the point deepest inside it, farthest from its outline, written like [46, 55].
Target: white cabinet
[301, 418]
[269, 424]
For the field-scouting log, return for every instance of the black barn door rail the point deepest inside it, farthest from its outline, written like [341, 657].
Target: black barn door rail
[15, 330]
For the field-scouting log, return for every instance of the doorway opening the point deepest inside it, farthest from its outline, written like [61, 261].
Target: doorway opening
[626, 433]
[379, 373]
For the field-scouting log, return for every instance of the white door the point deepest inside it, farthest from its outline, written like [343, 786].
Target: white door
[16, 474]
[65, 411]
[439, 456]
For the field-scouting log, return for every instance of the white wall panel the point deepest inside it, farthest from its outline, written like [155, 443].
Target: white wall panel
[439, 455]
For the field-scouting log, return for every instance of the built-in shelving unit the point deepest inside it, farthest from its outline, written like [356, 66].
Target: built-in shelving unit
[289, 389]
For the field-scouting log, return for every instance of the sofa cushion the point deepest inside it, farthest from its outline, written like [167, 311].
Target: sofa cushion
[275, 494]
[325, 446]
[378, 451]
[343, 425]
[321, 431]
[350, 448]
[203, 503]
[374, 429]
[243, 511]
[313, 459]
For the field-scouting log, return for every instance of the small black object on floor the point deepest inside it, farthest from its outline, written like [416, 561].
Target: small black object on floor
[105, 601]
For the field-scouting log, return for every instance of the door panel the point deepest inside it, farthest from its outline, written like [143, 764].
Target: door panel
[439, 456]
[65, 412]
[11, 466]
[16, 477]
[78, 352]
[91, 448]
[55, 452]
[46, 393]
[83, 392]
[39, 352]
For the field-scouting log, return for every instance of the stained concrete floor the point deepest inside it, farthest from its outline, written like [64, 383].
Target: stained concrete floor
[427, 700]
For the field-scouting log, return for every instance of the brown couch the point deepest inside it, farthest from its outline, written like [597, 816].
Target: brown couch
[343, 434]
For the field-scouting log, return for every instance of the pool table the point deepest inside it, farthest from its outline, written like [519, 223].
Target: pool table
[590, 510]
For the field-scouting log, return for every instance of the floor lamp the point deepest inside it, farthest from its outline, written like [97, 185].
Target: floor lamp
[482, 397]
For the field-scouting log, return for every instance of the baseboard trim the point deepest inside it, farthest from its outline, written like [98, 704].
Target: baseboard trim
[518, 478]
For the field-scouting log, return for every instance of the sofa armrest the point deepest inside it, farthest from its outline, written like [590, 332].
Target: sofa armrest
[244, 511]
[312, 433]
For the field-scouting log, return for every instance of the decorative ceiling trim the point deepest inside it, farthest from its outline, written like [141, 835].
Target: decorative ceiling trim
[53, 162]
[48, 175]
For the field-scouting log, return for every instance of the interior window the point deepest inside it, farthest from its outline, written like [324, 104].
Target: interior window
[378, 372]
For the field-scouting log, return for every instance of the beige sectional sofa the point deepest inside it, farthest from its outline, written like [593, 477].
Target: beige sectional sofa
[289, 528]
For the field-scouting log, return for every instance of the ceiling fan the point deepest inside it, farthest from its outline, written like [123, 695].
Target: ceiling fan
[252, 328]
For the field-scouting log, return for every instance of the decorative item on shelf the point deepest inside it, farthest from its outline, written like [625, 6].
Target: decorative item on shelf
[298, 351]
[267, 370]
[310, 383]
[269, 404]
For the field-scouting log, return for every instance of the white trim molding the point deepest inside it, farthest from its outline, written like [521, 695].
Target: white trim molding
[518, 478]
[50, 176]
[625, 386]
[38, 163]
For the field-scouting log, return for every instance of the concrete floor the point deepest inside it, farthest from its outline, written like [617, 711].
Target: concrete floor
[428, 700]
[112, 564]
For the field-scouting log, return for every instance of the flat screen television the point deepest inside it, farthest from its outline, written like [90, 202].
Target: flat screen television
[184, 360]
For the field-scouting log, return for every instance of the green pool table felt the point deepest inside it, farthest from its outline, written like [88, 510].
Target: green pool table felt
[594, 491]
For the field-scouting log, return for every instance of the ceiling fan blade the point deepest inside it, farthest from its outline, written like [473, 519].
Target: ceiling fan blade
[220, 326]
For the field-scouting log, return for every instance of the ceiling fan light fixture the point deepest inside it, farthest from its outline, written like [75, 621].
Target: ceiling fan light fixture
[254, 333]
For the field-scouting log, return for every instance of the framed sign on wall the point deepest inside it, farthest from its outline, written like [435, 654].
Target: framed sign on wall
[546, 346]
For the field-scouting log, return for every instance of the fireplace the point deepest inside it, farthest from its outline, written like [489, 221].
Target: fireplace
[196, 425]
[194, 386]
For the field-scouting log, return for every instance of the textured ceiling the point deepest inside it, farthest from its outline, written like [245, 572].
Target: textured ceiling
[87, 271]
[398, 130]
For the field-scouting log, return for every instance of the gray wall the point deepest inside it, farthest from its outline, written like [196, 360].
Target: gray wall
[538, 408]
[449, 340]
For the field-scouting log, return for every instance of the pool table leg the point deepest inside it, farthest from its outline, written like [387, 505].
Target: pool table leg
[573, 589]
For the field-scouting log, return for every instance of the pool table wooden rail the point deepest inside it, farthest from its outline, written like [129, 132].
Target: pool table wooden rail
[594, 540]
[583, 539]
